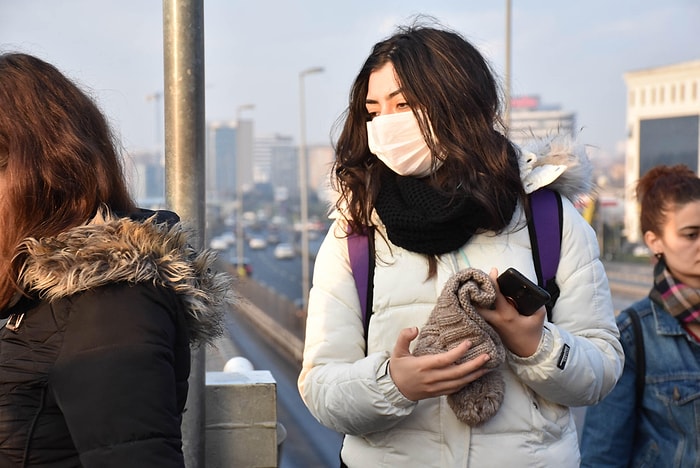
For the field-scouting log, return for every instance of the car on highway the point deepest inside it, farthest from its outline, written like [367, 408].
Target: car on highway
[218, 243]
[284, 251]
[257, 243]
[223, 241]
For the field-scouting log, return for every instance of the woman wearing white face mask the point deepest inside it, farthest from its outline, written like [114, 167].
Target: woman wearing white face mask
[397, 140]
[422, 170]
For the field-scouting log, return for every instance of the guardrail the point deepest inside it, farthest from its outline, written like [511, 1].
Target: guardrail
[285, 340]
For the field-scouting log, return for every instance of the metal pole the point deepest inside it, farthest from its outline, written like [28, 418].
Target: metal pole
[183, 39]
[506, 117]
[239, 194]
[304, 188]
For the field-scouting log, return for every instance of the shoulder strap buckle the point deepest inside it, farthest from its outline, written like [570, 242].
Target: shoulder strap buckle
[14, 321]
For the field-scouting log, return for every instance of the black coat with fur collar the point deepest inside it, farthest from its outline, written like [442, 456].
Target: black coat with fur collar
[94, 372]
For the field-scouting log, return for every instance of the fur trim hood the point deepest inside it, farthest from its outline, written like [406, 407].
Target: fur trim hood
[557, 162]
[110, 249]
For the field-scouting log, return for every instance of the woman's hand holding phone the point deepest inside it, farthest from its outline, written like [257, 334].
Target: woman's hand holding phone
[526, 296]
[521, 334]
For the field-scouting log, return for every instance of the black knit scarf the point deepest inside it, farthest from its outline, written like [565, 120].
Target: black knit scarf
[681, 301]
[421, 219]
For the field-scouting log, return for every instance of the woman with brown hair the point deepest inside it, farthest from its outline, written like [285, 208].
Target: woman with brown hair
[424, 170]
[102, 300]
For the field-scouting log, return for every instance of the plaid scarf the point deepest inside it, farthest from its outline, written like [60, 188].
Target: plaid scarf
[681, 301]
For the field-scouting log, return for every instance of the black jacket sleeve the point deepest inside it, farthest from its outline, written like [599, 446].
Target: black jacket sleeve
[119, 377]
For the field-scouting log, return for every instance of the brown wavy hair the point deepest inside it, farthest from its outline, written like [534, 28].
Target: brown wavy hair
[58, 159]
[663, 189]
[448, 83]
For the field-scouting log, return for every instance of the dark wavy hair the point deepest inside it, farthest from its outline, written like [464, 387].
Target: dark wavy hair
[58, 159]
[663, 189]
[447, 82]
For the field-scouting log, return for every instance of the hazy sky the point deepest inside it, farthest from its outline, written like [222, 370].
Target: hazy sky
[569, 53]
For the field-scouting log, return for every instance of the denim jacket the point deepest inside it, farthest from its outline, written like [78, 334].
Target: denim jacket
[667, 430]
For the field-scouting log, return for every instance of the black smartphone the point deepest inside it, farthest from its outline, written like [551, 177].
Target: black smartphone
[525, 295]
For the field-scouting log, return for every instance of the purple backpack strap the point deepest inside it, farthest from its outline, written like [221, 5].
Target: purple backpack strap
[545, 228]
[358, 249]
[545, 217]
[361, 253]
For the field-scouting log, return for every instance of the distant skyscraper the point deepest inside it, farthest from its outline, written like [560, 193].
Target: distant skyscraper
[229, 150]
[321, 159]
[245, 146]
[275, 162]
[529, 119]
[267, 148]
[146, 176]
[663, 126]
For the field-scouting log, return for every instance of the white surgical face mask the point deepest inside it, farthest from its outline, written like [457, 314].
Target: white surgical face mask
[397, 141]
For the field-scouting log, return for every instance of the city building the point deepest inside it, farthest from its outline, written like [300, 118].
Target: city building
[229, 159]
[146, 176]
[273, 157]
[321, 158]
[275, 162]
[663, 126]
[530, 120]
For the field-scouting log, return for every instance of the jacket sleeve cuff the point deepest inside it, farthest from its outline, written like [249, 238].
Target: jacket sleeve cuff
[544, 349]
[389, 389]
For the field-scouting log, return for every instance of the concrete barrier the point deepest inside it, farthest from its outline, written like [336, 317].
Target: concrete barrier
[241, 420]
[275, 332]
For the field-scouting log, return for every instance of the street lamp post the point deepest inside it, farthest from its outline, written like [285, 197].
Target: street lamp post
[507, 84]
[303, 188]
[183, 57]
[239, 194]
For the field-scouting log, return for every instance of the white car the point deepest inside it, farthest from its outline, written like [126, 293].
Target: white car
[218, 243]
[228, 237]
[257, 243]
[284, 251]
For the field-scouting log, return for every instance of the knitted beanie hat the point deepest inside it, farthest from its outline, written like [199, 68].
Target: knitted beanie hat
[453, 320]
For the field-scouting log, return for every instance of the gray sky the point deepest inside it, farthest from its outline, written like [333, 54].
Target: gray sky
[569, 53]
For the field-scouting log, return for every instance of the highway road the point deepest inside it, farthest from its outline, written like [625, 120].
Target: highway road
[282, 275]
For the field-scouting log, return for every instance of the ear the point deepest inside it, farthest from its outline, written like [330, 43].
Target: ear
[653, 242]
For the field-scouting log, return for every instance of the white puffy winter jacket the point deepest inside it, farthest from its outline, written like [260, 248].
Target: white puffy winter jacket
[353, 393]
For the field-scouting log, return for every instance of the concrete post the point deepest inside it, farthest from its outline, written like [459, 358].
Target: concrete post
[241, 420]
